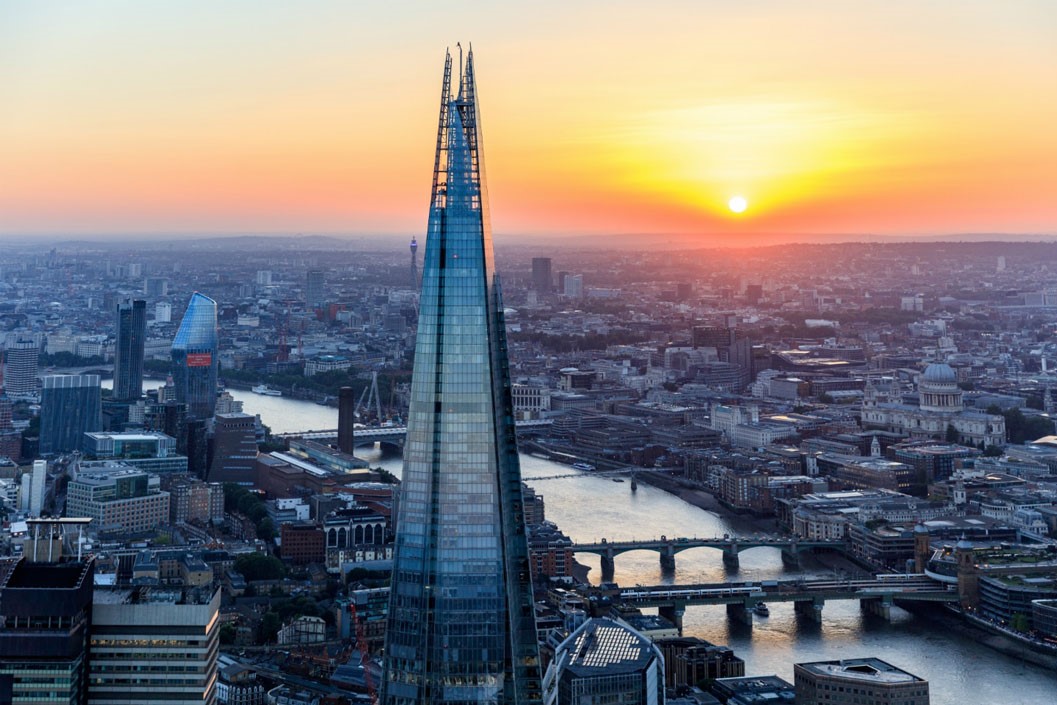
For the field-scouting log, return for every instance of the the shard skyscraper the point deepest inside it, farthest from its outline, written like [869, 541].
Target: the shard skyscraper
[461, 626]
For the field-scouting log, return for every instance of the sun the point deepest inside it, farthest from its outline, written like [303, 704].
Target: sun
[737, 204]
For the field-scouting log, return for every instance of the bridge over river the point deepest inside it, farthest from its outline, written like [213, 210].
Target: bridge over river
[392, 435]
[876, 595]
[730, 545]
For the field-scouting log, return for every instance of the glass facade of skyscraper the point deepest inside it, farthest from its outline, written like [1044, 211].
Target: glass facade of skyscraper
[128, 352]
[194, 356]
[461, 623]
[70, 406]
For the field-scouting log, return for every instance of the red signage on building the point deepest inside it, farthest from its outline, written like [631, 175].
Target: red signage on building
[199, 359]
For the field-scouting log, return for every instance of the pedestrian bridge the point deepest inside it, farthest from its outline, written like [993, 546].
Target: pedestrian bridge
[392, 435]
[876, 595]
[730, 545]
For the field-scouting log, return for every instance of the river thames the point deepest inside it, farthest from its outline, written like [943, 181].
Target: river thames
[960, 670]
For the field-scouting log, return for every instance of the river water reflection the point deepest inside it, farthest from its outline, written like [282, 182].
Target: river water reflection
[960, 671]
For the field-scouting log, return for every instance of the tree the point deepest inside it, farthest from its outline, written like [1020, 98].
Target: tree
[258, 566]
[227, 634]
[1019, 622]
[993, 452]
[952, 434]
[271, 623]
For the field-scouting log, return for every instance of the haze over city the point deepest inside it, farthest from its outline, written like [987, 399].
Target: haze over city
[731, 381]
[831, 120]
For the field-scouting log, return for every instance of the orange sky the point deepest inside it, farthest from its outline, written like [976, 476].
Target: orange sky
[922, 117]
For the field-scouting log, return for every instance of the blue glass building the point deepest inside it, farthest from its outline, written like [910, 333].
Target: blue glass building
[194, 356]
[461, 626]
[70, 406]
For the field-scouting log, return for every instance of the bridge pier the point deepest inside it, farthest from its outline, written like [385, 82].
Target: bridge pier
[608, 567]
[730, 556]
[810, 609]
[791, 556]
[668, 557]
[881, 607]
[674, 614]
[738, 612]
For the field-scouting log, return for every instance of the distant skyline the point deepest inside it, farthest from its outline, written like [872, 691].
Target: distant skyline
[925, 118]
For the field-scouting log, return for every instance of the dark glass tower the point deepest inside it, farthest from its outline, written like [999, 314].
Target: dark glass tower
[128, 353]
[70, 406]
[461, 626]
[194, 356]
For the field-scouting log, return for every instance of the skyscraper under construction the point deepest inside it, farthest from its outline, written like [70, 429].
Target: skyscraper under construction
[461, 623]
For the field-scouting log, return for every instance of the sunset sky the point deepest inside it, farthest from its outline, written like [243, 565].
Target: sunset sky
[922, 117]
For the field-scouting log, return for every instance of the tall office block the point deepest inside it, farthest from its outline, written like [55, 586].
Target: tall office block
[542, 279]
[10, 437]
[461, 625]
[194, 356]
[315, 295]
[44, 620]
[152, 646]
[20, 368]
[128, 351]
[70, 406]
[573, 287]
[162, 312]
[234, 449]
[606, 661]
[34, 485]
[346, 420]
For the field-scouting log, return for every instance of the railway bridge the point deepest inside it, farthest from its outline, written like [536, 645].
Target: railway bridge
[876, 595]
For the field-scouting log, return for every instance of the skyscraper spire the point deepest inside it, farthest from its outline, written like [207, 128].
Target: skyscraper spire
[461, 621]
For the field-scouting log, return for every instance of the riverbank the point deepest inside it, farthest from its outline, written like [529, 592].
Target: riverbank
[982, 633]
[744, 523]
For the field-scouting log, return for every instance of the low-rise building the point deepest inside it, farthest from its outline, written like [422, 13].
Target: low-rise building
[118, 498]
[858, 681]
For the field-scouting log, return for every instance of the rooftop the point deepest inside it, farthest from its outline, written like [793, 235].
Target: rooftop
[603, 645]
[861, 669]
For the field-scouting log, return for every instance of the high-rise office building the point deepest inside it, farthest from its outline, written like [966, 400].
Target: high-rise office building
[542, 280]
[34, 487]
[315, 295]
[20, 368]
[70, 406]
[461, 624]
[606, 661]
[155, 287]
[10, 437]
[194, 356]
[573, 286]
[154, 646]
[44, 620]
[234, 449]
[162, 312]
[128, 351]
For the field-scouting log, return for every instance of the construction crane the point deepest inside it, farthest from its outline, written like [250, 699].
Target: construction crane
[372, 395]
[361, 642]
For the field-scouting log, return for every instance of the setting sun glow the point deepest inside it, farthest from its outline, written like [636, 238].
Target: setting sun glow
[113, 124]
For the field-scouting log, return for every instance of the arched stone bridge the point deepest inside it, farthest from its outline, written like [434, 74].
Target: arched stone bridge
[730, 545]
